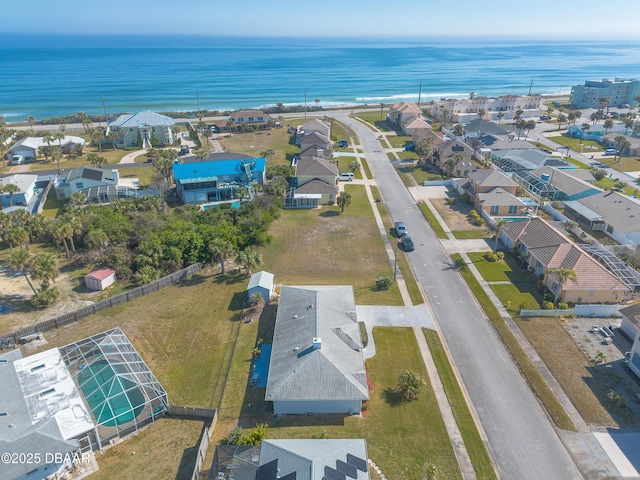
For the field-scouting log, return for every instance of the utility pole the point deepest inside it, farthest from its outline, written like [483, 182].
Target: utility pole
[420, 94]
[530, 85]
[305, 103]
[106, 120]
[198, 102]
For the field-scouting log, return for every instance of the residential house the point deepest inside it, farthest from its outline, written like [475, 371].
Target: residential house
[43, 415]
[285, 459]
[541, 247]
[416, 125]
[27, 189]
[490, 143]
[613, 213]
[633, 150]
[403, 112]
[144, 129]
[461, 110]
[33, 147]
[499, 202]
[526, 159]
[99, 185]
[455, 158]
[216, 181]
[427, 134]
[317, 140]
[316, 363]
[483, 181]
[250, 117]
[314, 183]
[100, 279]
[261, 283]
[480, 126]
[619, 92]
[630, 326]
[555, 184]
[313, 126]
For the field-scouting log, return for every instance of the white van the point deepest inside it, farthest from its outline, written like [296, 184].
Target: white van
[17, 160]
[346, 177]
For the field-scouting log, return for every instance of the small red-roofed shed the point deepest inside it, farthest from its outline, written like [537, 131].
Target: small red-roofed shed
[100, 279]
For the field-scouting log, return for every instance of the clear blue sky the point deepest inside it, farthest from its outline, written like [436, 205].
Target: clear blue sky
[586, 19]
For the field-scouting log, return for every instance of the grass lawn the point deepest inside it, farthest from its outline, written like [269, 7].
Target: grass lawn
[418, 174]
[577, 163]
[516, 297]
[113, 156]
[375, 119]
[343, 165]
[403, 263]
[367, 170]
[326, 247]
[608, 184]
[255, 142]
[400, 436]
[470, 435]
[404, 155]
[144, 174]
[576, 145]
[431, 218]
[340, 131]
[506, 270]
[52, 206]
[399, 141]
[627, 164]
[167, 449]
[528, 369]
[569, 366]
[469, 234]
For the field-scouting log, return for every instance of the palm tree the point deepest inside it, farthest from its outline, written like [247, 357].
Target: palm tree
[269, 153]
[450, 166]
[604, 103]
[231, 125]
[521, 124]
[608, 125]
[30, 120]
[518, 114]
[16, 235]
[44, 269]
[201, 154]
[500, 117]
[585, 127]
[11, 188]
[58, 233]
[97, 135]
[96, 160]
[249, 258]
[56, 156]
[499, 224]
[48, 138]
[113, 136]
[618, 140]
[78, 199]
[562, 275]
[97, 239]
[424, 148]
[21, 260]
[220, 250]
[410, 384]
[529, 125]
[344, 200]
[458, 130]
[562, 118]
[353, 166]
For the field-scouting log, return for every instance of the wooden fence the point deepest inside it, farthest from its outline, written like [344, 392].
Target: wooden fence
[67, 318]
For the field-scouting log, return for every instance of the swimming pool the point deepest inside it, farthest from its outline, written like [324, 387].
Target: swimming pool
[235, 204]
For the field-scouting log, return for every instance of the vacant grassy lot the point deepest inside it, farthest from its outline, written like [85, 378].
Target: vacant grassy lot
[255, 142]
[399, 141]
[576, 144]
[400, 436]
[376, 119]
[569, 366]
[608, 184]
[471, 234]
[326, 247]
[167, 449]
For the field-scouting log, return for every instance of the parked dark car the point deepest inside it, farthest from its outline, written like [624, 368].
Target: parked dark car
[407, 244]
[184, 150]
[401, 229]
[343, 144]
[410, 147]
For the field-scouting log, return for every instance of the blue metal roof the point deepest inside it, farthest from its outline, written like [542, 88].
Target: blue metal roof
[206, 170]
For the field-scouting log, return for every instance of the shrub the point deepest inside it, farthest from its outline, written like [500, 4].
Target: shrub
[500, 255]
[451, 201]
[233, 436]
[465, 197]
[490, 257]
[255, 436]
[383, 283]
[547, 305]
[563, 306]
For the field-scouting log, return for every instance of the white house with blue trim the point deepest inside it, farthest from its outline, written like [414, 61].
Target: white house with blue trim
[145, 129]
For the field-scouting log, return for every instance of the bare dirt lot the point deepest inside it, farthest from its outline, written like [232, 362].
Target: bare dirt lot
[455, 216]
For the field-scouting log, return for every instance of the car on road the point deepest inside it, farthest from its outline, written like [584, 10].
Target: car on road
[410, 147]
[343, 144]
[346, 177]
[401, 229]
[184, 150]
[407, 244]
[546, 118]
[611, 151]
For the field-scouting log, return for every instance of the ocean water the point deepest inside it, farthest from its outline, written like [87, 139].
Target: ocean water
[47, 76]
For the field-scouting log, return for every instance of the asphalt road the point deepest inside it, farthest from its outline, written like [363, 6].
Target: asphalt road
[521, 437]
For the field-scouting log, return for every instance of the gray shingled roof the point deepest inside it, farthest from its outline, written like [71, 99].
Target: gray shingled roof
[309, 457]
[491, 177]
[335, 371]
[499, 197]
[484, 126]
[317, 186]
[315, 167]
[619, 211]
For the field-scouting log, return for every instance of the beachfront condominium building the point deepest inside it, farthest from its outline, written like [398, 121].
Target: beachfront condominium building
[619, 92]
[463, 110]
